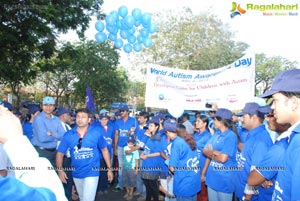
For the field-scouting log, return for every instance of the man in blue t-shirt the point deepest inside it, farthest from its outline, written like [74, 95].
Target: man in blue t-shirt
[85, 143]
[285, 92]
[124, 127]
[257, 143]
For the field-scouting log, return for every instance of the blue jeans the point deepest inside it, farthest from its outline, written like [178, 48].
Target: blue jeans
[121, 165]
[140, 187]
[218, 196]
[86, 188]
[193, 198]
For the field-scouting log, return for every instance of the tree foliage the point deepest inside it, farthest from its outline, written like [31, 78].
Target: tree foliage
[28, 32]
[75, 67]
[267, 68]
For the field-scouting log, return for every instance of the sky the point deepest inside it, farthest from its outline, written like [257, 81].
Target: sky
[272, 35]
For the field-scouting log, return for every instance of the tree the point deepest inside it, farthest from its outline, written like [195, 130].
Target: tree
[267, 68]
[96, 67]
[136, 93]
[195, 42]
[28, 32]
[75, 67]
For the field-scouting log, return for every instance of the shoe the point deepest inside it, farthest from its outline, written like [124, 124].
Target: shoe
[136, 194]
[126, 196]
[129, 197]
[142, 198]
[117, 189]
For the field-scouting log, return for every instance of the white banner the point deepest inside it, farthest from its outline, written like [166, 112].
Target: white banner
[229, 87]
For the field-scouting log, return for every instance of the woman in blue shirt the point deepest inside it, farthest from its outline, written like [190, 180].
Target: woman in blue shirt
[201, 137]
[152, 162]
[221, 162]
[183, 163]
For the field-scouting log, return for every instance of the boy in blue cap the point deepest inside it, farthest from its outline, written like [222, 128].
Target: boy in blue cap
[285, 92]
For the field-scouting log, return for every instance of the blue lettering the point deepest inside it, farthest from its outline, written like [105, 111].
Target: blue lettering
[247, 61]
[158, 72]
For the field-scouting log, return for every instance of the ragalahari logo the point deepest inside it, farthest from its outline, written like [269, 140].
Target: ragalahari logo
[236, 10]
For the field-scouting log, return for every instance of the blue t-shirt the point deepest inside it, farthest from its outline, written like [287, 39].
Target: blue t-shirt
[27, 130]
[287, 184]
[152, 164]
[256, 146]
[201, 140]
[270, 165]
[86, 161]
[141, 138]
[219, 175]
[187, 170]
[13, 189]
[123, 128]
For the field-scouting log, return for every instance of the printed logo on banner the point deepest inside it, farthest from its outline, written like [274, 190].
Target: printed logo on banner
[161, 97]
[236, 10]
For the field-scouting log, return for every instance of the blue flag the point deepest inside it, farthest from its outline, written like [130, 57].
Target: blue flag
[89, 100]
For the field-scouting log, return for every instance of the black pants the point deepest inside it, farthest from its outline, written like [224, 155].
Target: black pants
[152, 189]
[50, 155]
[70, 182]
[103, 180]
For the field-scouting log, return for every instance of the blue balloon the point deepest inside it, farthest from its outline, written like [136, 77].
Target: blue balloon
[124, 25]
[123, 11]
[129, 20]
[131, 39]
[137, 47]
[137, 23]
[132, 31]
[153, 28]
[110, 21]
[124, 34]
[144, 32]
[147, 42]
[114, 14]
[146, 19]
[112, 37]
[127, 48]
[136, 13]
[140, 38]
[101, 37]
[118, 43]
[99, 26]
[119, 24]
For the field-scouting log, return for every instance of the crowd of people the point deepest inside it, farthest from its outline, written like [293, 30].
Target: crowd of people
[220, 156]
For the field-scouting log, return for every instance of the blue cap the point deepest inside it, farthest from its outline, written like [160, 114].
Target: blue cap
[285, 81]
[61, 111]
[254, 108]
[170, 125]
[33, 109]
[154, 120]
[160, 115]
[124, 107]
[103, 115]
[103, 111]
[48, 100]
[223, 113]
[8, 105]
[131, 139]
[117, 113]
[17, 113]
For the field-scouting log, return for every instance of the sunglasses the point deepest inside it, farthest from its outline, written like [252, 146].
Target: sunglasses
[123, 110]
[79, 143]
[270, 115]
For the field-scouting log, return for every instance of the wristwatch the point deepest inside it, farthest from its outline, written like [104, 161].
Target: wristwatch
[245, 199]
